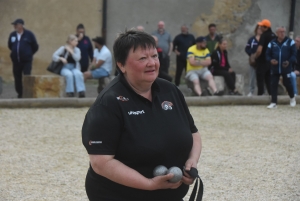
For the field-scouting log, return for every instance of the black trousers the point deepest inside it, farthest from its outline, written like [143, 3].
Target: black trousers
[84, 68]
[263, 76]
[229, 77]
[286, 82]
[180, 66]
[20, 68]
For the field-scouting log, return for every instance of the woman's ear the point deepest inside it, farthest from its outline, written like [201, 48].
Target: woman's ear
[121, 67]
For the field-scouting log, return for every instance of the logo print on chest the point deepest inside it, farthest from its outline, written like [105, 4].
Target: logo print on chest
[122, 98]
[166, 105]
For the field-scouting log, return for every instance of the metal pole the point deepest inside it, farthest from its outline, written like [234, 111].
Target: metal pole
[104, 19]
[292, 18]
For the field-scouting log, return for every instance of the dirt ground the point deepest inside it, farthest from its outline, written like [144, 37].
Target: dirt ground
[249, 153]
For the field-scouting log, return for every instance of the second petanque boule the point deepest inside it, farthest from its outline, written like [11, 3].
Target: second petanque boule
[160, 171]
[177, 174]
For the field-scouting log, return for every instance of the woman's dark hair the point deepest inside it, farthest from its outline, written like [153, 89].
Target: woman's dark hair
[128, 40]
[80, 26]
[212, 25]
[221, 40]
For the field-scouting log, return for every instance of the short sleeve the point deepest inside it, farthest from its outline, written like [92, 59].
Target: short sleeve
[190, 53]
[101, 130]
[95, 53]
[207, 54]
[103, 56]
[170, 39]
[262, 40]
[193, 128]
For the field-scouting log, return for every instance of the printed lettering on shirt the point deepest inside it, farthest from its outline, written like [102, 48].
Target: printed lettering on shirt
[136, 112]
[166, 105]
[94, 142]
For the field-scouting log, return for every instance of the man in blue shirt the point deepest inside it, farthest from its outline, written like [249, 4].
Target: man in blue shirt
[23, 46]
[85, 46]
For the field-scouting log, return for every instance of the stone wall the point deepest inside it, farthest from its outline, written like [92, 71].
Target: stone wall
[51, 21]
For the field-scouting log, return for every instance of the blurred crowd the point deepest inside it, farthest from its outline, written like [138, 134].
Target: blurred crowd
[273, 58]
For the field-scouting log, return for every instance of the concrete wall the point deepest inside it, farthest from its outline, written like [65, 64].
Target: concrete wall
[236, 20]
[51, 21]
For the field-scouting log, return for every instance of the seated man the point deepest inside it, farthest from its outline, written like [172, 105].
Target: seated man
[102, 61]
[198, 58]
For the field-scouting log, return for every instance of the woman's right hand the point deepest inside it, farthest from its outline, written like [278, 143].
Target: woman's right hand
[162, 182]
[63, 60]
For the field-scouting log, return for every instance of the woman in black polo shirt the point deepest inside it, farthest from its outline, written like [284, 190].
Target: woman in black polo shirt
[138, 122]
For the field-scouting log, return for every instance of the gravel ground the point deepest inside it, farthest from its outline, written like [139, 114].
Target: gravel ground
[249, 153]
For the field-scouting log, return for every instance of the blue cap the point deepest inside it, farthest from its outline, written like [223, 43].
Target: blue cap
[200, 39]
[18, 21]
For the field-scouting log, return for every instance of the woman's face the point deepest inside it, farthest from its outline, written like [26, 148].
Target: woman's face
[223, 45]
[74, 42]
[141, 66]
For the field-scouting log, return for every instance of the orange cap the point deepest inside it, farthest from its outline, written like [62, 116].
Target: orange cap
[265, 23]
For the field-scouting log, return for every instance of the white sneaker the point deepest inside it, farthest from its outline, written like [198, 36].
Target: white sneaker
[249, 94]
[293, 102]
[272, 106]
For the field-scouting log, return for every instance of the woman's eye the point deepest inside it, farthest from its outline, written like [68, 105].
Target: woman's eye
[143, 58]
[155, 56]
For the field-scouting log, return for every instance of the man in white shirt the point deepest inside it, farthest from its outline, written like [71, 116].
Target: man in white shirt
[102, 61]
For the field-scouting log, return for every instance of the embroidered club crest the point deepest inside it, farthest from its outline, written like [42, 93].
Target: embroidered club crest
[166, 105]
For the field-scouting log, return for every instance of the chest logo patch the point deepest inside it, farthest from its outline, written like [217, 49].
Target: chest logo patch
[122, 98]
[166, 105]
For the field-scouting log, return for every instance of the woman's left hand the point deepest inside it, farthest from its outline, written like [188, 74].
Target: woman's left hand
[230, 70]
[187, 179]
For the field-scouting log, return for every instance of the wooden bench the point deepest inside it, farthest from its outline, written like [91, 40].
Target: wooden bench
[43, 86]
[220, 84]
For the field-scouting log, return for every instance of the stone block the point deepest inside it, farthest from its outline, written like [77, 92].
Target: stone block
[103, 82]
[43, 86]
[221, 85]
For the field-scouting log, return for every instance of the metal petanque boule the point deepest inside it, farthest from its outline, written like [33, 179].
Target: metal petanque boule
[160, 171]
[177, 174]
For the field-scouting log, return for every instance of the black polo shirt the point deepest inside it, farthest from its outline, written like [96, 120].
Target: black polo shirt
[264, 41]
[182, 42]
[141, 134]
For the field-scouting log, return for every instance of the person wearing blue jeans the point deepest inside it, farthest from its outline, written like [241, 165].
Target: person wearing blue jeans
[70, 56]
[102, 61]
[294, 82]
[296, 72]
